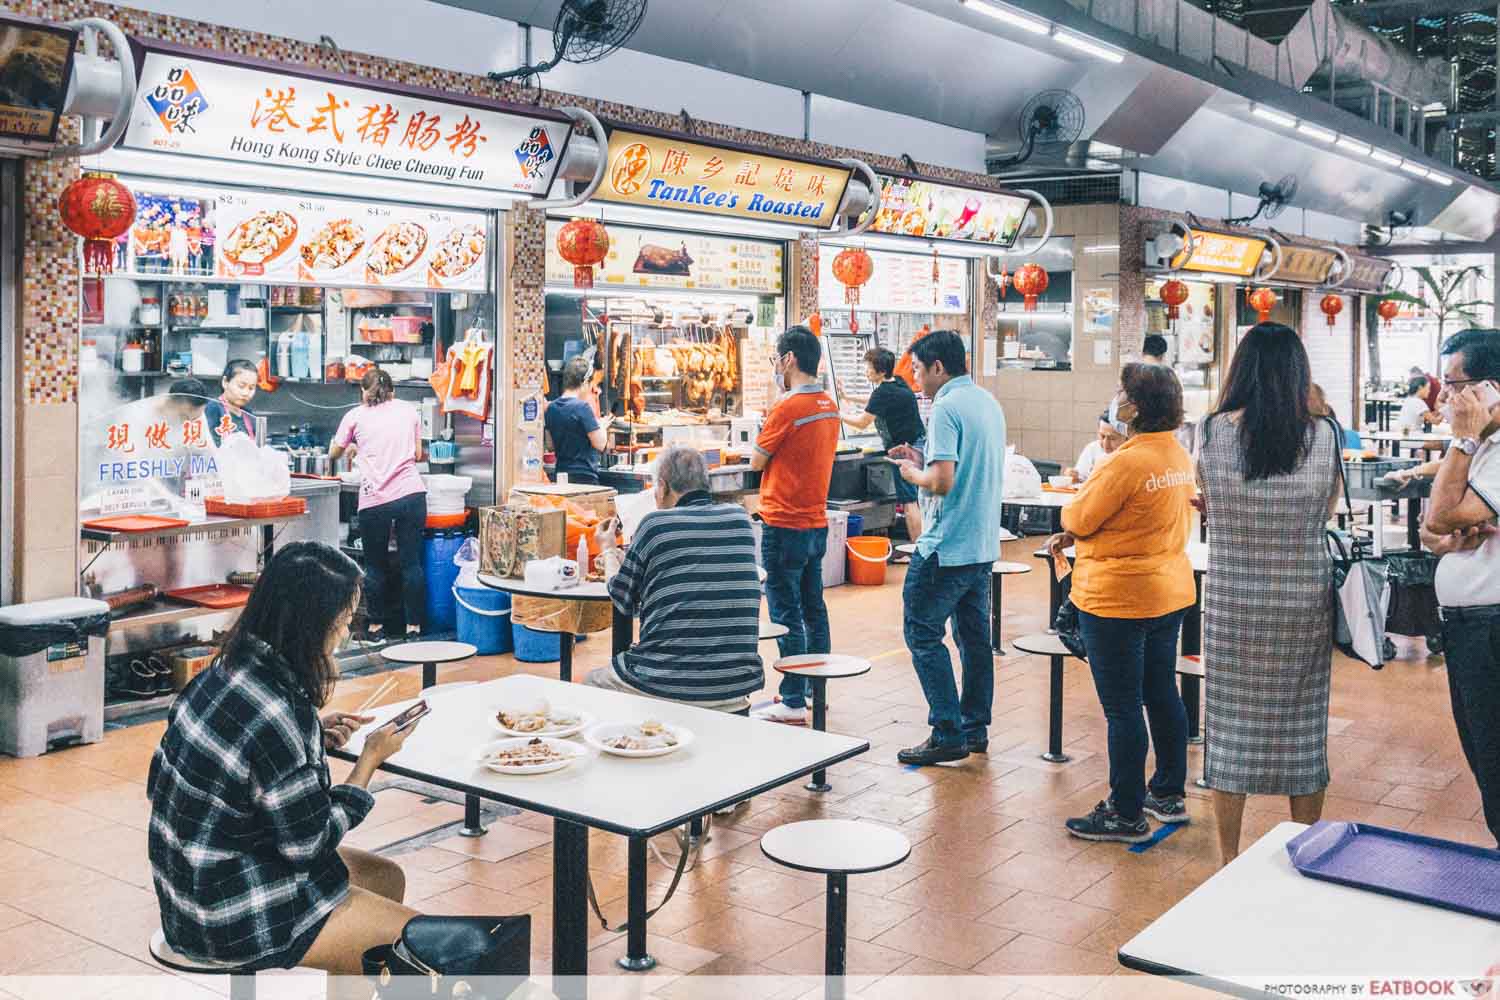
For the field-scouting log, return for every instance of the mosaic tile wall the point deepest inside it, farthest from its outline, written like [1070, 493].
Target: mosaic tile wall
[806, 256]
[49, 285]
[528, 307]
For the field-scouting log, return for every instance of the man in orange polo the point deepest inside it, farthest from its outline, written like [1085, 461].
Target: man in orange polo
[795, 452]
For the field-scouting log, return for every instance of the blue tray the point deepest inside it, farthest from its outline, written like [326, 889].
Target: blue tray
[1427, 870]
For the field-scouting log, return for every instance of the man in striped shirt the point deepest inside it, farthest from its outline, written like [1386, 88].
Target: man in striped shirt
[690, 577]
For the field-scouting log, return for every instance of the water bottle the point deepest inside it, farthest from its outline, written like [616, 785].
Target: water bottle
[531, 461]
[301, 368]
[583, 558]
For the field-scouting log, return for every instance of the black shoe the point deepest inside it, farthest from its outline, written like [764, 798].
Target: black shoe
[977, 744]
[1167, 808]
[137, 681]
[929, 752]
[163, 674]
[1106, 824]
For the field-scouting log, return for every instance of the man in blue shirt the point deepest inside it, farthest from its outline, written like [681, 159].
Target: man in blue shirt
[949, 577]
[577, 435]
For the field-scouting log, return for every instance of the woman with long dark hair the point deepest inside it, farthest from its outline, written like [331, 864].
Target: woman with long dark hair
[245, 819]
[1268, 467]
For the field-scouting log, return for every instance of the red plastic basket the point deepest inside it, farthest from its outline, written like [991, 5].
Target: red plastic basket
[287, 507]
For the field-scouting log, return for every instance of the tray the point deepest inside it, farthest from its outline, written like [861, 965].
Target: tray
[265, 508]
[214, 595]
[1440, 873]
[135, 522]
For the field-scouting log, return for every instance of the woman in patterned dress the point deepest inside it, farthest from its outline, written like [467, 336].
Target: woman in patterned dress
[1268, 468]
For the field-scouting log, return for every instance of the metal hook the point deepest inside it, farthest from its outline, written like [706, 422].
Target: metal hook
[688, 125]
[338, 54]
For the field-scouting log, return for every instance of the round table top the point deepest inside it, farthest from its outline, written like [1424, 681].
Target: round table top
[907, 548]
[772, 630]
[1001, 567]
[1042, 644]
[585, 591]
[1192, 666]
[428, 652]
[835, 846]
[829, 665]
[1047, 498]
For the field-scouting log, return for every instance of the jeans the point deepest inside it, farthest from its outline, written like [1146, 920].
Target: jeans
[409, 515]
[793, 561]
[932, 595]
[1471, 645]
[1134, 661]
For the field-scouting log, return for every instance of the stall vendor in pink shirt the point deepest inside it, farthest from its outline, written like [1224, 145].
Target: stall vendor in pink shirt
[386, 434]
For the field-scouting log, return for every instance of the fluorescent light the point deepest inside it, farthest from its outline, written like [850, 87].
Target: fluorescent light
[1103, 248]
[1381, 156]
[1438, 178]
[1413, 168]
[1317, 132]
[1273, 116]
[1089, 46]
[1010, 16]
[1355, 146]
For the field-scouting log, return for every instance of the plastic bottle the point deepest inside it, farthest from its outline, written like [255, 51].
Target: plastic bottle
[531, 461]
[300, 360]
[583, 558]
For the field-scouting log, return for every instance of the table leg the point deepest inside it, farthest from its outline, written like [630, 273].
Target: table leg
[621, 632]
[1054, 752]
[429, 675]
[1414, 524]
[472, 826]
[570, 907]
[835, 936]
[267, 545]
[995, 643]
[1191, 696]
[565, 656]
[819, 781]
[636, 959]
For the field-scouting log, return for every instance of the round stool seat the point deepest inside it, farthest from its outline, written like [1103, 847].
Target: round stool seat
[1041, 644]
[173, 959]
[835, 846]
[428, 652]
[907, 548]
[772, 630]
[822, 665]
[1003, 568]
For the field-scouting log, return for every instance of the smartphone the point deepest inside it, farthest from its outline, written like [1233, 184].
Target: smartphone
[409, 716]
[1488, 394]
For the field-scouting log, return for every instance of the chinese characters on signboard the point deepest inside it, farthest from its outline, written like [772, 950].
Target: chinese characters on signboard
[36, 62]
[652, 258]
[1305, 265]
[1220, 253]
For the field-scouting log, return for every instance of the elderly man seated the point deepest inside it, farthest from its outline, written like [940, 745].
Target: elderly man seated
[690, 577]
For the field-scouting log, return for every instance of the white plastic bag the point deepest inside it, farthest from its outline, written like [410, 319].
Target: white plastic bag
[1022, 481]
[467, 561]
[250, 473]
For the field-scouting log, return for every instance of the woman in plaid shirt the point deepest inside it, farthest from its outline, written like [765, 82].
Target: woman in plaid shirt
[245, 819]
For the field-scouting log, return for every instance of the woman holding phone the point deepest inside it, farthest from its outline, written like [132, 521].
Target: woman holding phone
[245, 818]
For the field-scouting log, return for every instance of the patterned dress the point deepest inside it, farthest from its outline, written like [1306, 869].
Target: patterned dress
[1268, 618]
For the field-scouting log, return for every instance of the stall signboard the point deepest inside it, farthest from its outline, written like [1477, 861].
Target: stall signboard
[1220, 253]
[920, 208]
[194, 104]
[142, 455]
[1305, 265]
[660, 171]
[1367, 274]
[36, 64]
[655, 258]
[901, 283]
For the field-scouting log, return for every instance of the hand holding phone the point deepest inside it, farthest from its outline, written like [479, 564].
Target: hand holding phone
[409, 716]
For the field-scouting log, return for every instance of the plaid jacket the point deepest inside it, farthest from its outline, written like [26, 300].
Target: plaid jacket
[245, 818]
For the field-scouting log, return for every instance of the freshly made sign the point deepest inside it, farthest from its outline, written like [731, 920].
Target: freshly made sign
[656, 258]
[191, 104]
[1305, 265]
[672, 173]
[1220, 253]
[36, 62]
[911, 207]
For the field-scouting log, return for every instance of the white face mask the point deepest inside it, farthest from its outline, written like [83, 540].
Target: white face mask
[779, 377]
[1120, 427]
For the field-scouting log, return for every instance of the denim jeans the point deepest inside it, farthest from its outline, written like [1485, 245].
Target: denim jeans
[932, 596]
[1134, 661]
[793, 561]
[1471, 645]
[396, 594]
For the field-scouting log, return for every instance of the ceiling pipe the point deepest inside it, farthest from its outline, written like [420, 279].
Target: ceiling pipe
[582, 116]
[89, 88]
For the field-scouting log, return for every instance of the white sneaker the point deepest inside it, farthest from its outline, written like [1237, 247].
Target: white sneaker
[782, 713]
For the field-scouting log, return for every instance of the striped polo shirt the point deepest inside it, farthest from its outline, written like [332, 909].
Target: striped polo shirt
[690, 577]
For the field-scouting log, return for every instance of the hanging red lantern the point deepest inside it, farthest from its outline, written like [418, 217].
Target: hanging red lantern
[100, 209]
[815, 324]
[853, 267]
[1331, 305]
[1388, 308]
[1262, 300]
[1031, 281]
[1174, 293]
[1003, 280]
[583, 243]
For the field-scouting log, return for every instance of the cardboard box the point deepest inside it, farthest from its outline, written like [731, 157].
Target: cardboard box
[546, 614]
[600, 500]
[189, 662]
[513, 535]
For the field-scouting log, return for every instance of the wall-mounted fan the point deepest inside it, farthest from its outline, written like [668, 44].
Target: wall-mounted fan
[1274, 198]
[1051, 118]
[585, 31]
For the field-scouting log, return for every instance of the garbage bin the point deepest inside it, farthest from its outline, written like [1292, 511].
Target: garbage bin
[51, 673]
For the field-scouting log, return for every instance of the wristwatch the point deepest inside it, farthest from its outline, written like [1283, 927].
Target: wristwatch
[1466, 445]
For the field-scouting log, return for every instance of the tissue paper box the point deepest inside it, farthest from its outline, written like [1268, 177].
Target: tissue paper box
[513, 535]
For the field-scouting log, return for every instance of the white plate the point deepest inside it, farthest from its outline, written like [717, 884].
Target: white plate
[572, 752]
[596, 736]
[562, 732]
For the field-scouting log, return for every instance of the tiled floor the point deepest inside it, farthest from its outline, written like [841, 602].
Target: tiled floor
[994, 888]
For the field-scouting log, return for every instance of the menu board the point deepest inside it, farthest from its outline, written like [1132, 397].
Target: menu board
[36, 63]
[900, 283]
[1220, 253]
[910, 207]
[1305, 265]
[1194, 327]
[656, 258]
[846, 352]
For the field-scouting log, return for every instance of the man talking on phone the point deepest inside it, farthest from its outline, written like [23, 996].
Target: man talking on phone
[1460, 528]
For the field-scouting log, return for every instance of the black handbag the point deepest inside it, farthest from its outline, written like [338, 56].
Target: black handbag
[475, 958]
[1066, 626]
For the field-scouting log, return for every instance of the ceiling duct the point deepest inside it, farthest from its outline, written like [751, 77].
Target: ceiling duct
[1324, 39]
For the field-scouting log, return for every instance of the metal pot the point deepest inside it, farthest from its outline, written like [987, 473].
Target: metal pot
[314, 462]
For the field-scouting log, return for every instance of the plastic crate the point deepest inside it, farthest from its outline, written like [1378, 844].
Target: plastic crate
[1364, 474]
[288, 507]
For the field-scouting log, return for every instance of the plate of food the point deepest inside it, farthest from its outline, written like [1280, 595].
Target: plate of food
[260, 239]
[638, 739]
[528, 755]
[397, 248]
[540, 719]
[456, 254]
[333, 246]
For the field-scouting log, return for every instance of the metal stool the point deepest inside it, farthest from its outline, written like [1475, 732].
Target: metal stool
[429, 655]
[1049, 645]
[772, 630]
[998, 572]
[837, 848]
[241, 982]
[819, 668]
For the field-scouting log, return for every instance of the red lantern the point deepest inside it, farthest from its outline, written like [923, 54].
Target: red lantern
[1388, 308]
[1030, 280]
[583, 243]
[1331, 305]
[1262, 300]
[1003, 280]
[815, 324]
[853, 267]
[100, 209]
[1174, 293]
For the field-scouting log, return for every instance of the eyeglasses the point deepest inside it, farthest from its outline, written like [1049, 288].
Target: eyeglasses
[1455, 382]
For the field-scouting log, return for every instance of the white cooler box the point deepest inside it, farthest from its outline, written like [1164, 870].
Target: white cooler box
[833, 559]
[56, 691]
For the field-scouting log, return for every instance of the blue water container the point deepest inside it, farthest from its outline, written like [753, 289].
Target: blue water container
[483, 619]
[856, 525]
[536, 647]
[438, 551]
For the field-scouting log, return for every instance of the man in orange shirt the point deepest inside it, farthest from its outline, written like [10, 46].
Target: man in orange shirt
[795, 453]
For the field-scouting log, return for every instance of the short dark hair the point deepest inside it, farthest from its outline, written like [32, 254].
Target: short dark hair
[945, 346]
[1155, 345]
[802, 343]
[239, 365]
[1480, 347]
[1157, 396]
[188, 387]
[882, 360]
[576, 372]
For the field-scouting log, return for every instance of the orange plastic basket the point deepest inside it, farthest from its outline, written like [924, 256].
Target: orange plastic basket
[288, 507]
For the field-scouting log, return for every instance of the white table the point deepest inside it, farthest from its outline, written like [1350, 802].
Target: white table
[732, 759]
[428, 654]
[1260, 921]
[1054, 501]
[585, 591]
[1413, 441]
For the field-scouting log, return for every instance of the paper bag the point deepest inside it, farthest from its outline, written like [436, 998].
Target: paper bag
[513, 535]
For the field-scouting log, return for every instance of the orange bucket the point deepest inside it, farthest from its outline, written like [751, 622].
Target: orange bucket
[868, 555]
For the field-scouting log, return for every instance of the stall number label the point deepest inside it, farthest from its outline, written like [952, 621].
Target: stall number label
[65, 657]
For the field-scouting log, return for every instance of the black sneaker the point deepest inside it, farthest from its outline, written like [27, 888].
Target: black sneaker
[137, 681]
[929, 752]
[1167, 808]
[163, 674]
[1106, 824]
